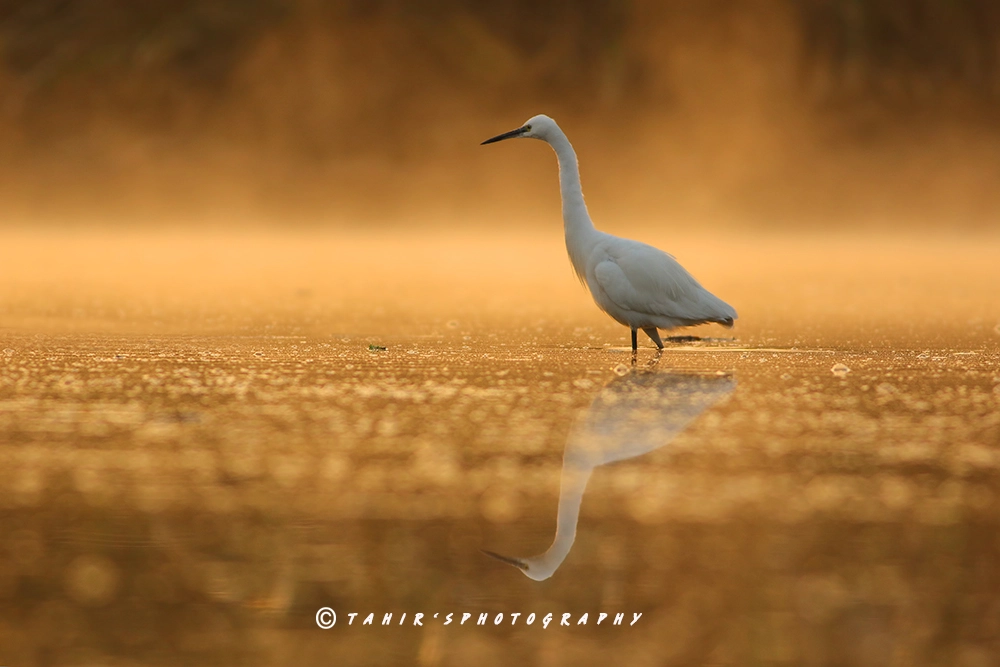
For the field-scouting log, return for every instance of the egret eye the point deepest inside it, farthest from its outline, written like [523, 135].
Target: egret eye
[527, 128]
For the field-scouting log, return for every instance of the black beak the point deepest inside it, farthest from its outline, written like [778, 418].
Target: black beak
[506, 559]
[506, 135]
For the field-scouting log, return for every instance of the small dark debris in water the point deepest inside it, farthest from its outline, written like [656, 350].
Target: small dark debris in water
[375, 348]
[698, 339]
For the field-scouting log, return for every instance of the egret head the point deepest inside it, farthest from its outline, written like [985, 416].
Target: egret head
[537, 127]
[537, 568]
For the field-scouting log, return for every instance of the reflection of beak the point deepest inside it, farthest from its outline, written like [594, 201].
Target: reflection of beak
[520, 564]
[500, 137]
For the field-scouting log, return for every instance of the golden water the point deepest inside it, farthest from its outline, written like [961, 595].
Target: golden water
[202, 442]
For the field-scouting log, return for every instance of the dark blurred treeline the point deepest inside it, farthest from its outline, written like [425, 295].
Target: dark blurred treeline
[96, 91]
[136, 57]
[903, 49]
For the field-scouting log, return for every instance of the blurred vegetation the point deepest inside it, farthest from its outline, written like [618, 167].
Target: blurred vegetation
[903, 49]
[258, 88]
[117, 56]
[135, 57]
[74, 60]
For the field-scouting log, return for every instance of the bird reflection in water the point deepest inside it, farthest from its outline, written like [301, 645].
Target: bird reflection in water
[632, 415]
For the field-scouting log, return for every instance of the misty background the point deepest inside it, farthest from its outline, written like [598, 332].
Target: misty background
[770, 113]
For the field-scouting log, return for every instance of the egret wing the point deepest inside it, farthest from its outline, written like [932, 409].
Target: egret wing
[645, 279]
[615, 284]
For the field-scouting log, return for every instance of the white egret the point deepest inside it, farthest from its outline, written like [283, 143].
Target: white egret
[631, 416]
[636, 284]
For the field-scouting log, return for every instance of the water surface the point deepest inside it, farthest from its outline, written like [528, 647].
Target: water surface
[204, 438]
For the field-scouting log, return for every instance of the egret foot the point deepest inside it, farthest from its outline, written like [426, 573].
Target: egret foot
[654, 336]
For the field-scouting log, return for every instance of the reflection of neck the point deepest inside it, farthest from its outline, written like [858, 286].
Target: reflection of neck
[572, 484]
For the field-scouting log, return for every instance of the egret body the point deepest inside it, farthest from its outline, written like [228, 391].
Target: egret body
[636, 284]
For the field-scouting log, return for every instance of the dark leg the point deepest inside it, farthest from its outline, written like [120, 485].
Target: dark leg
[654, 336]
[635, 345]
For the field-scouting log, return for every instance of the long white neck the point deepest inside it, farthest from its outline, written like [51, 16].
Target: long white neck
[580, 232]
[572, 484]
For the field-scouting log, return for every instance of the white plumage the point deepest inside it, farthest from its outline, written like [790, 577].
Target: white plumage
[638, 285]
